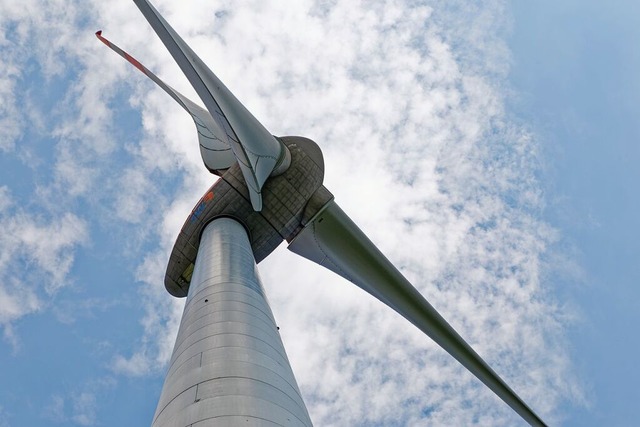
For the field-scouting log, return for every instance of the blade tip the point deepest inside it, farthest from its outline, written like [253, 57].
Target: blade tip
[102, 39]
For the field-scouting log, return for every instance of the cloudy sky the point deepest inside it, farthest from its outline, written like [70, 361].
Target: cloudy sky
[488, 148]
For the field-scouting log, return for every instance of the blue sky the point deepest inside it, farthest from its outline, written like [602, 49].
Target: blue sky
[490, 150]
[577, 69]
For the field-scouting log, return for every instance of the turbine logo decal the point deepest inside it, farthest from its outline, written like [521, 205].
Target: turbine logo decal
[200, 207]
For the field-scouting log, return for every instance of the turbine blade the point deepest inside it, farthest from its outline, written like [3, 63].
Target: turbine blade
[258, 152]
[216, 153]
[334, 241]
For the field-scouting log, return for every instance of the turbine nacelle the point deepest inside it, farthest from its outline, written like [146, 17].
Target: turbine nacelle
[290, 201]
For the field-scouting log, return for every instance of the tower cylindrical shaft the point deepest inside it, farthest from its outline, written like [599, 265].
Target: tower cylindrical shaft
[229, 366]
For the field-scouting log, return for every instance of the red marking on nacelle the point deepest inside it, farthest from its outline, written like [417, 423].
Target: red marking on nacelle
[208, 196]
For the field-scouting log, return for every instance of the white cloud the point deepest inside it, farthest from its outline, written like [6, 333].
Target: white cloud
[80, 406]
[407, 103]
[54, 411]
[36, 256]
[11, 124]
[15, 303]
[84, 409]
[28, 30]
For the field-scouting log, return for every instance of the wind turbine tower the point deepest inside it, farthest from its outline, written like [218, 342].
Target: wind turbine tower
[229, 366]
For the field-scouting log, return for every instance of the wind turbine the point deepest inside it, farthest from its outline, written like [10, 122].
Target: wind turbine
[228, 365]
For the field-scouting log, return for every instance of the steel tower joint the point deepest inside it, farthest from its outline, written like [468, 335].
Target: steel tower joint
[290, 199]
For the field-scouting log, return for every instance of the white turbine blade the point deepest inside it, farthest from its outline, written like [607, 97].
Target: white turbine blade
[334, 241]
[258, 152]
[216, 153]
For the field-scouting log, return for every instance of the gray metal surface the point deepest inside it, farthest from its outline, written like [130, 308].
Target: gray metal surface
[334, 241]
[289, 200]
[229, 367]
[258, 152]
